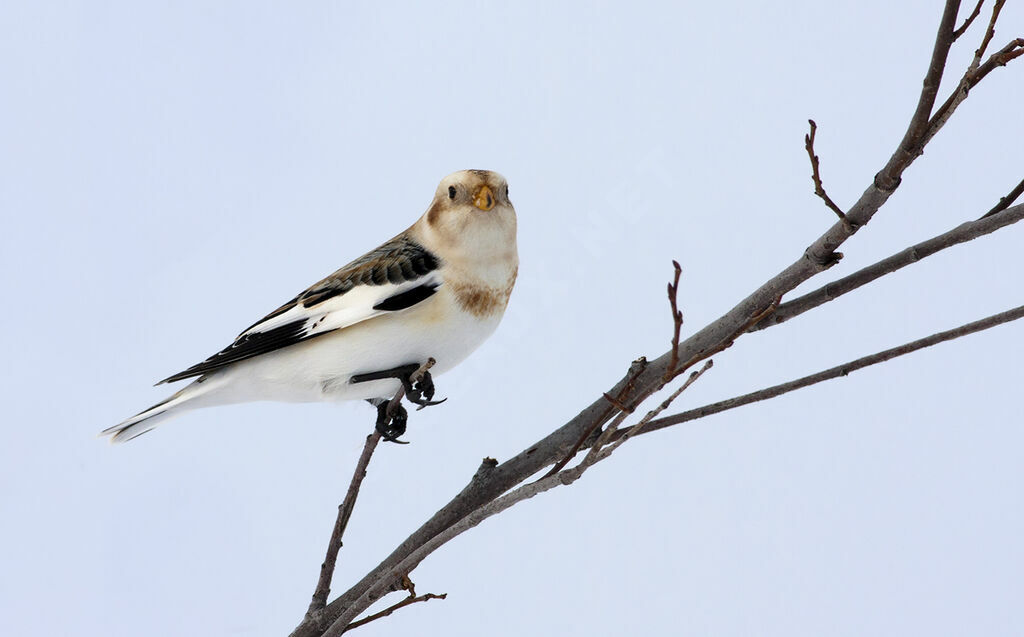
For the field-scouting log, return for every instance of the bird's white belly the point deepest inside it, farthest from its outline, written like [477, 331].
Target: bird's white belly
[321, 368]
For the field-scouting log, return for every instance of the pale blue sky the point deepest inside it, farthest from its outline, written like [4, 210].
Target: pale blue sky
[171, 172]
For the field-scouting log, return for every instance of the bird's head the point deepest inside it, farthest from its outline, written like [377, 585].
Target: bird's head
[471, 212]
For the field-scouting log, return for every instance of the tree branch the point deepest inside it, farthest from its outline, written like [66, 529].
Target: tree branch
[1005, 202]
[488, 486]
[635, 368]
[327, 568]
[612, 438]
[600, 450]
[641, 426]
[819, 188]
[323, 585]
[976, 72]
[411, 599]
[888, 179]
[833, 372]
[967, 23]
[990, 32]
[677, 320]
[915, 253]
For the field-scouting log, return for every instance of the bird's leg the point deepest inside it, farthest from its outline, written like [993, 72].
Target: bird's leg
[398, 372]
[419, 393]
[391, 420]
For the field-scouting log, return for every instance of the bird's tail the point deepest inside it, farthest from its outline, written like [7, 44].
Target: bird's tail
[147, 420]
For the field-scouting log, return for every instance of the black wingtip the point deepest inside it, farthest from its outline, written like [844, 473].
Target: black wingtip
[188, 373]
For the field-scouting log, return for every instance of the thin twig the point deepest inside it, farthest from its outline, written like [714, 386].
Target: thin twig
[819, 188]
[601, 448]
[975, 73]
[972, 77]
[600, 442]
[323, 585]
[1013, 50]
[1005, 202]
[635, 369]
[665, 404]
[679, 369]
[992, 221]
[411, 599]
[598, 452]
[677, 320]
[967, 23]
[617, 403]
[727, 342]
[833, 372]
[990, 32]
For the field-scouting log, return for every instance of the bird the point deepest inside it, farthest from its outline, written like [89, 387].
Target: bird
[435, 291]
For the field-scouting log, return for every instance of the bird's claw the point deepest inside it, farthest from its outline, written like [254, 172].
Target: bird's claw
[421, 392]
[392, 418]
[391, 422]
[429, 403]
[425, 386]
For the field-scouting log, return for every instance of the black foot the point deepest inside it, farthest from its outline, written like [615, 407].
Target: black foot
[392, 426]
[421, 392]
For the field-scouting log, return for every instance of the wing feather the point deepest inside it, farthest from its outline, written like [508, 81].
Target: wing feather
[394, 277]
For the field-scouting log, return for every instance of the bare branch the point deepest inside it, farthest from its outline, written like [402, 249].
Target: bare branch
[1005, 202]
[1013, 50]
[913, 142]
[630, 391]
[654, 413]
[990, 32]
[411, 599]
[323, 585]
[834, 372]
[635, 369]
[971, 78]
[987, 224]
[598, 452]
[677, 320]
[967, 23]
[819, 189]
[976, 71]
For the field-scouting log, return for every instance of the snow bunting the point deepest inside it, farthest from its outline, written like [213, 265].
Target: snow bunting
[437, 290]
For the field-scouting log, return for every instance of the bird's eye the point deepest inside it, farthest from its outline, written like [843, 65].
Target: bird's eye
[506, 191]
[451, 192]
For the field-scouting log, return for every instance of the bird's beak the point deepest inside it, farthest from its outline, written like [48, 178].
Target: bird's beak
[484, 198]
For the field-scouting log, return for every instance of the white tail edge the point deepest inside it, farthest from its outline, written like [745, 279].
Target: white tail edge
[148, 420]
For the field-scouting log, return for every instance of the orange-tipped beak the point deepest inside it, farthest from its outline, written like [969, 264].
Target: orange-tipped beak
[484, 198]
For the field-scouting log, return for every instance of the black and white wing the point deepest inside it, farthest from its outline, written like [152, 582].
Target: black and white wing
[395, 276]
